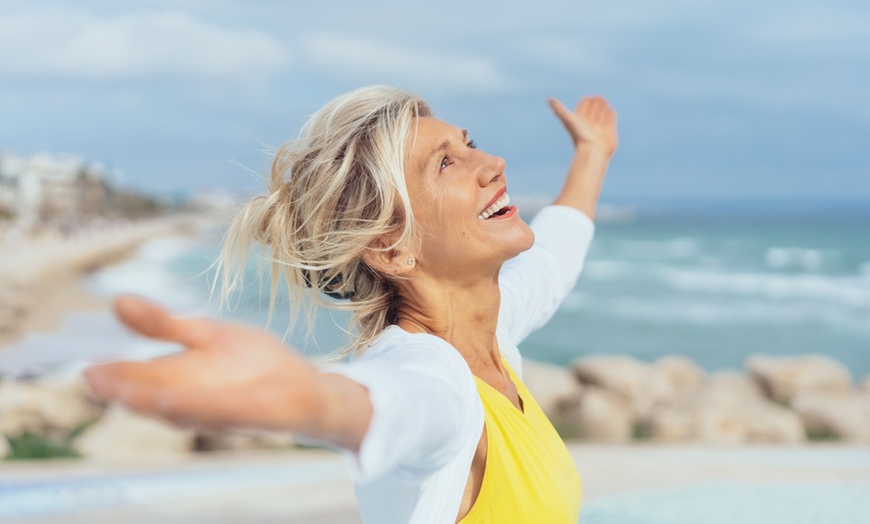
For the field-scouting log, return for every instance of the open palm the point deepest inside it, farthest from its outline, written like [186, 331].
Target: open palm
[592, 122]
[228, 375]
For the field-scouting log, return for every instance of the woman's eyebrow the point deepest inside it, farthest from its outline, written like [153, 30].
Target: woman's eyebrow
[442, 147]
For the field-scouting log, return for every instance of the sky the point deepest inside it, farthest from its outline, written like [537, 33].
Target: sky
[717, 100]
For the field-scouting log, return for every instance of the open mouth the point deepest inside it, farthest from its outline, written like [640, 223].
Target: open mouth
[500, 207]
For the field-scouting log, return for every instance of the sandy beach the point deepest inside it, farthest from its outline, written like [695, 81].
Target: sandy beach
[41, 279]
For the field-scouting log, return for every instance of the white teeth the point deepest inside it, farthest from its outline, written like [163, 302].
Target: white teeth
[499, 204]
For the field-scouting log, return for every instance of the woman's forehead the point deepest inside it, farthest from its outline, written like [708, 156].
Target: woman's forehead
[429, 136]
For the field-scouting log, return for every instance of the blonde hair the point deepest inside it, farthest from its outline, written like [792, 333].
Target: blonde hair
[333, 192]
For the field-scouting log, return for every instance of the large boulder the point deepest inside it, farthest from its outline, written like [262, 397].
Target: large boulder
[728, 408]
[682, 374]
[555, 389]
[49, 405]
[634, 381]
[599, 415]
[121, 434]
[840, 415]
[782, 378]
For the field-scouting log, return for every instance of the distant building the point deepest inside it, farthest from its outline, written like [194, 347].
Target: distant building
[44, 189]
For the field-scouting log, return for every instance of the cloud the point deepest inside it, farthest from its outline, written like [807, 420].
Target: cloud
[70, 43]
[372, 61]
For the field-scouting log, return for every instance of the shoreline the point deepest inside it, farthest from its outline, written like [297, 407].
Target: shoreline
[42, 280]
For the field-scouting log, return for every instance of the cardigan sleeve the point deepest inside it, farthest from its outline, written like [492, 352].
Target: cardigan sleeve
[535, 283]
[423, 405]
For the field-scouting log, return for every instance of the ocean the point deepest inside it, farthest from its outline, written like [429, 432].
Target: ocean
[712, 286]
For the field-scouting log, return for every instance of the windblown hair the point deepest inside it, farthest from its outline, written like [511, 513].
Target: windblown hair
[333, 192]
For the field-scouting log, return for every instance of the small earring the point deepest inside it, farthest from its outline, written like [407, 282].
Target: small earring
[410, 261]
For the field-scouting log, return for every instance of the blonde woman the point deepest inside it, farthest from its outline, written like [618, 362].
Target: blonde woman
[383, 210]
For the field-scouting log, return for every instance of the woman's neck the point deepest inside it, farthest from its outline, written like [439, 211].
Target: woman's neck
[466, 316]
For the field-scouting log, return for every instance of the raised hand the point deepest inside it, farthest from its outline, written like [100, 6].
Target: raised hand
[228, 375]
[592, 123]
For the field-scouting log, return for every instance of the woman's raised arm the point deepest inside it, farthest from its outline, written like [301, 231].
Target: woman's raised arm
[592, 126]
[231, 375]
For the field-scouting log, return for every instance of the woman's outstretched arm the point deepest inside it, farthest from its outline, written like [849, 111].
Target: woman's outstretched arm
[592, 126]
[231, 375]
[534, 284]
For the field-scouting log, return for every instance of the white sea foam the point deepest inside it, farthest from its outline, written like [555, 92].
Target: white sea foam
[149, 274]
[716, 312]
[806, 259]
[90, 336]
[850, 291]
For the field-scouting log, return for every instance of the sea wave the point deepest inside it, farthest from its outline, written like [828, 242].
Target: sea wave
[800, 258]
[150, 274]
[851, 291]
[679, 248]
[737, 312]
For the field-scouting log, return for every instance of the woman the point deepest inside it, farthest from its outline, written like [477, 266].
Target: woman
[383, 210]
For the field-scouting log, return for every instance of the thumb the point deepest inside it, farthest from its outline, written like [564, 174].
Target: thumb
[152, 321]
[560, 110]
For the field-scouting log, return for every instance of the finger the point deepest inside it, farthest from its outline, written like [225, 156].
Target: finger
[182, 406]
[153, 321]
[561, 111]
[591, 109]
[143, 386]
[112, 381]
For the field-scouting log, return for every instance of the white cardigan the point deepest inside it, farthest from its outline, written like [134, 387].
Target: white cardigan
[427, 419]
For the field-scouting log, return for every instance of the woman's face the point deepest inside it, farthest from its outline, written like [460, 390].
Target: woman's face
[459, 199]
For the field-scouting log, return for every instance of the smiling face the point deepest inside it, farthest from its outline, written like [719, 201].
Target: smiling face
[460, 202]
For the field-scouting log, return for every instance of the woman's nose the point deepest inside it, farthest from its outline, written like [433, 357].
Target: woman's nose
[491, 168]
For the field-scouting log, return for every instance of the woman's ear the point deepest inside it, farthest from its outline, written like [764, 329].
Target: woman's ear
[388, 260]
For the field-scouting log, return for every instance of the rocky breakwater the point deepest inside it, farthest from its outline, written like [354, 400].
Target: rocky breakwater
[51, 417]
[776, 399]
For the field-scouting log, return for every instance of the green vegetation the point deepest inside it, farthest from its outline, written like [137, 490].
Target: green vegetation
[33, 446]
[567, 430]
[822, 435]
[131, 205]
[30, 446]
[640, 431]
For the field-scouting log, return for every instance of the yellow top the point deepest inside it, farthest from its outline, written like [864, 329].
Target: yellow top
[529, 476]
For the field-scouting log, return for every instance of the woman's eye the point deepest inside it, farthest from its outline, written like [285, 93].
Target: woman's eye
[445, 162]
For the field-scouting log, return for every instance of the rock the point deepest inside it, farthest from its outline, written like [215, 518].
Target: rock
[680, 372]
[841, 415]
[243, 440]
[56, 405]
[121, 434]
[865, 385]
[555, 389]
[600, 415]
[760, 421]
[730, 382]
[670, 423]
[627, 377]
[782, 378]
[728, 408]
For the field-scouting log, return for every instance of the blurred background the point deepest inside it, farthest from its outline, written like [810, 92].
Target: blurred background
[735, 217]
[736, 210]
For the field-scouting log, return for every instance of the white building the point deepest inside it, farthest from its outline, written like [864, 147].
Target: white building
[41, 188]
